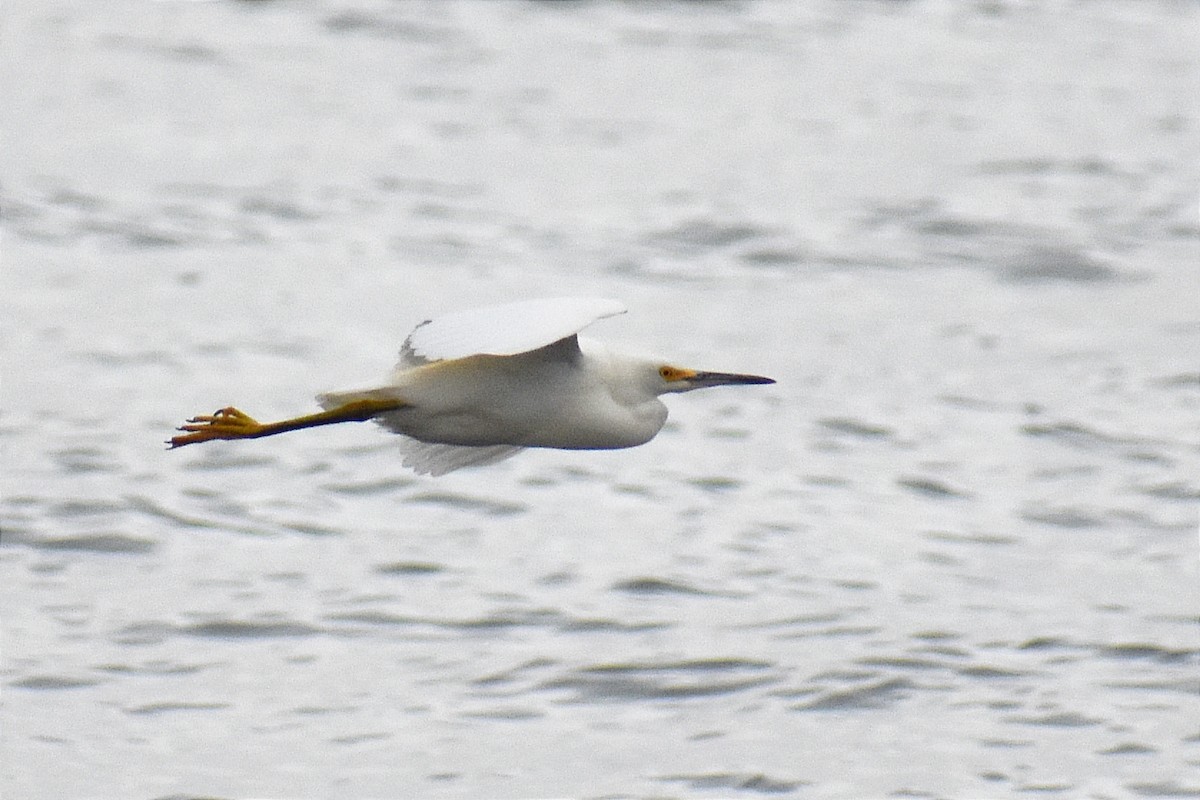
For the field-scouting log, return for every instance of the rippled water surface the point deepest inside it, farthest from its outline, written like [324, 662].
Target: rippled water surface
[952, 553]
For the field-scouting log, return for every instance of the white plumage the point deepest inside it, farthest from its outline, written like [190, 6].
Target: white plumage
[476, 387]
[503, 330]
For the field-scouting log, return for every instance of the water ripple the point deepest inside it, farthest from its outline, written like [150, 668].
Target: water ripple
[170, 708]
[721, 781]
[878, 694]
[657, 586]
[633, 682]
[95, 543]
[53, 682]
[242, 629]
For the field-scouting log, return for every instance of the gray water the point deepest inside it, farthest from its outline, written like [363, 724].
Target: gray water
[952, 553]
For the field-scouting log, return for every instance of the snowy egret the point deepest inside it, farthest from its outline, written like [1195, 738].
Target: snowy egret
[475, 387]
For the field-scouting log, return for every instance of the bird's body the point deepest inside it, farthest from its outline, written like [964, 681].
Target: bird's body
[565, 395]
[478, 386]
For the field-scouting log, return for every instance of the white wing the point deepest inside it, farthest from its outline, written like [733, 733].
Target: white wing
[424, 458]
[503, 330]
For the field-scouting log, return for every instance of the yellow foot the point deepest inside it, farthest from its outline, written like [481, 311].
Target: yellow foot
[227, 423]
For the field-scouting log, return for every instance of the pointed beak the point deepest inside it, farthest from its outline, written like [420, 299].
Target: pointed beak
[704, 379]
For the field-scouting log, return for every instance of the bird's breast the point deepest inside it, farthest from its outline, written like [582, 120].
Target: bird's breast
[600, 426]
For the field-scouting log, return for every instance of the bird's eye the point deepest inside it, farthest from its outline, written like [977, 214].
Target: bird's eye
[672, 374]
[675, 374]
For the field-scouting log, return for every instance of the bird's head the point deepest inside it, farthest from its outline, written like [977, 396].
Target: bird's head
[668, 378]
[636, 378]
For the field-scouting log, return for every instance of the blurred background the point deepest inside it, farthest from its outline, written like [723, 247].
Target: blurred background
[953, 552]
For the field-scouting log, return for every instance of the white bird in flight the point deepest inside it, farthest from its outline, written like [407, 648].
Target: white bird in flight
[475, 387]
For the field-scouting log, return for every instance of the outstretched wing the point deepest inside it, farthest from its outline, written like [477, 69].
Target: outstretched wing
[503, 330]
